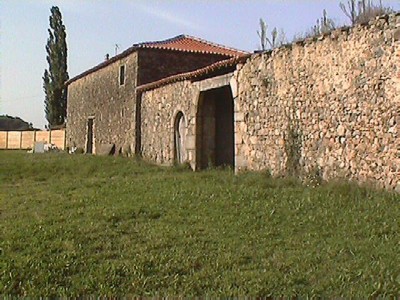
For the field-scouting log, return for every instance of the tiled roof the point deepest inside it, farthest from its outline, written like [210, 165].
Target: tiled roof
[183, 43]
[192, 44]
[222, 67]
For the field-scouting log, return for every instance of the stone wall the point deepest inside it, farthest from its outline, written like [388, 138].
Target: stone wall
[100, 95]
[337, 99]
[159, 110]
[327, 106]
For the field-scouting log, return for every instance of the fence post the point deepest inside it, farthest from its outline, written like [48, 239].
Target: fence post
[20, 140]
[34, 139]
[50, 135]
[6, 139]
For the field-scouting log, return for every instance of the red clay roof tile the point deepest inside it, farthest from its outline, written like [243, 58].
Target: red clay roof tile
[192, 44]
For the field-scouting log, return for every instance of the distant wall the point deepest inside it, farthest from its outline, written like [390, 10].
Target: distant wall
[22, 140]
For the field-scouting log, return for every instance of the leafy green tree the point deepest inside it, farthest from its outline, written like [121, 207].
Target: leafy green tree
[56, 75]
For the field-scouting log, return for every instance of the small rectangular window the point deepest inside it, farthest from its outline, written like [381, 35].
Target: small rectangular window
[122, 75]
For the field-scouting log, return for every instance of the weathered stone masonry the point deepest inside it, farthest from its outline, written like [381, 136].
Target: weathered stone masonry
[342, 93]
[100, 96]
[159, 110]
[339, 93]
[97, 94]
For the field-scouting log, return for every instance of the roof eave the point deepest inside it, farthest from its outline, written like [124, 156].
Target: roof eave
[195, 75]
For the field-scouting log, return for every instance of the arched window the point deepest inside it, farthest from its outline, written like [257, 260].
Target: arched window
[180, 138]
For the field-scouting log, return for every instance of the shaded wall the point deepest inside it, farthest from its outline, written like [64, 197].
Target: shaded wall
[156, 64]
[99, 95]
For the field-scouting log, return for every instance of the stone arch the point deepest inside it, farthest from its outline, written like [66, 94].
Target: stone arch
[180, 132]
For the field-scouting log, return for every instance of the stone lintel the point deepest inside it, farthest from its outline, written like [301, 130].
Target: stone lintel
[214, 82]
[240, 162]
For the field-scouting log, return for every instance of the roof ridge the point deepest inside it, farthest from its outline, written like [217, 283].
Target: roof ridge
[178, 37]
[214, 44]
[150, 44]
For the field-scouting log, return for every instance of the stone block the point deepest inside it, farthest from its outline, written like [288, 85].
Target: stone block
[341, 130]
[239, 116]
[396, 35]
[126, 150]
[240, 162]
[105, 149]
[234, 86]
[191, 142]
[38, 147]
[397, 189]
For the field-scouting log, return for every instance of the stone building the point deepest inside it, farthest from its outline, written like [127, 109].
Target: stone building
[103, 102]
[328, 105]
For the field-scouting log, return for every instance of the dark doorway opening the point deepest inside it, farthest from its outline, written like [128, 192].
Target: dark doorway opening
[89, 144]
[215, 129]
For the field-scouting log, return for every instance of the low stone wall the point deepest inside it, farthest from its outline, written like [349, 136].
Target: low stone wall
[332, 106]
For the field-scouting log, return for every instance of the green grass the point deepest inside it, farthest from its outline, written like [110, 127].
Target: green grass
[82, 225]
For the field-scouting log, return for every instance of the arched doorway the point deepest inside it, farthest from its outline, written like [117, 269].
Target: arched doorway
[215, 144]
[180, 138]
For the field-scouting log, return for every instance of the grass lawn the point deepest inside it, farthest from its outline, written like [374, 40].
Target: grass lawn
[83, 225]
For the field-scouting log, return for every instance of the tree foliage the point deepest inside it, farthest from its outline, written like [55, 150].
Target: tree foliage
[56, 75]
[361, 11]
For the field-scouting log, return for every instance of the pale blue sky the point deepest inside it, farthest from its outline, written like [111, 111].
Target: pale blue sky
[94, 27]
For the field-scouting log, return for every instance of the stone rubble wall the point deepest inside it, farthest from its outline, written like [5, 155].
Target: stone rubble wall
[335, 98]
[341, 96]
[158, 113]
[112, 105]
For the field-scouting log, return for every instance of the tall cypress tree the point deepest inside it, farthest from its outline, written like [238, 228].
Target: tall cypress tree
[56, 75]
